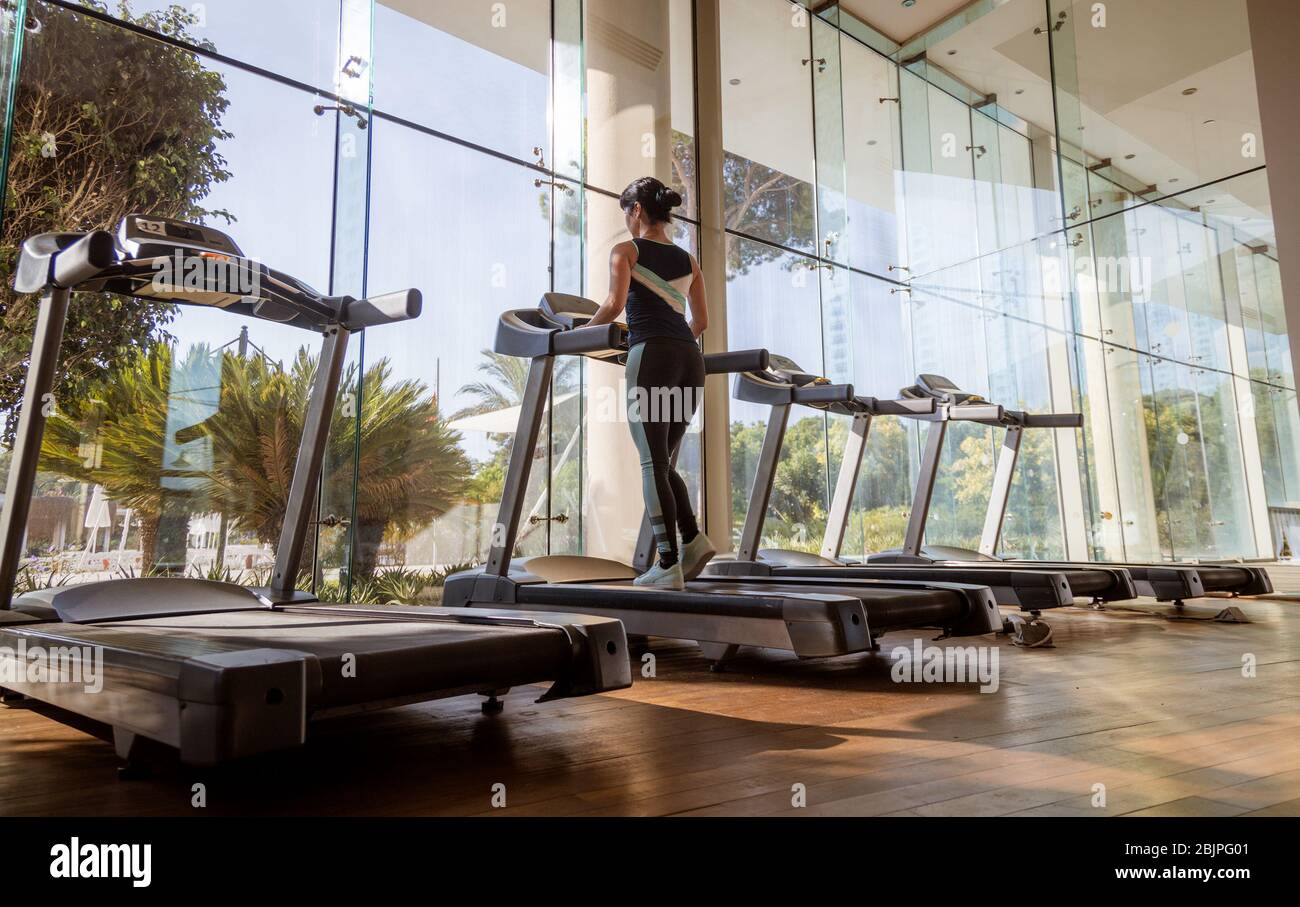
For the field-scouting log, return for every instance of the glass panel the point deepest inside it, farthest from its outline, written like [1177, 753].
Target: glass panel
[1178, 465]
[1119, 275]
[1166, 311]
[483, 70]
[356, 548]
[1231, 532]
[872, 158]
[1128, 386]
[1019, 379]
[11, 48]
[880, 345]
[1097, 454]
[828, 127]
[443, 502]
[948, 339]
[1272, 317]
[1159, 116]
[1203, 288]
[155, 459]
[641, 94]
[294, 38]
[941, 220]
[1286, 421]
[775, 294]
[568, 90]
[768, 177]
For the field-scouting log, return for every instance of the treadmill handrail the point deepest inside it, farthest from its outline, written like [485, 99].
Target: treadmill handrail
[1047, 420]
[821, 394]
[736, 361]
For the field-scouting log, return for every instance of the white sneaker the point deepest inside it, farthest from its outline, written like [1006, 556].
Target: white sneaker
[660, 578]
[696, 556]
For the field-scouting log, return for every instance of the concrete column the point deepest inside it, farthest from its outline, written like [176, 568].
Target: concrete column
[1274, 37]
[713, 262]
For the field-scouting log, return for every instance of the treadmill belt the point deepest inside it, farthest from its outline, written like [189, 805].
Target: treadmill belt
[393, 658]
[886, 608]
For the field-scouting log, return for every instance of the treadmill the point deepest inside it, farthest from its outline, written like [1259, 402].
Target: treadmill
[806, 616]
[784, 385]
[1165, 582]
[213, 670]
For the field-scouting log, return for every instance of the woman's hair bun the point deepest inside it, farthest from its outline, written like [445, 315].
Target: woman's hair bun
[669, 198]
[655, 199]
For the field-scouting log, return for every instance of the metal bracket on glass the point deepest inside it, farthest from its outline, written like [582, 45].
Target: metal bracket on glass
[333, 521]
[345, 109]
[1056, 26]
[820, 61]
[560, 518]
[563, 187]
[354, 67]
[883, 100]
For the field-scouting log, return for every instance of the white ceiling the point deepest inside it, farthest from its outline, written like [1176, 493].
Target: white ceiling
[1131, 75]
[892, 19]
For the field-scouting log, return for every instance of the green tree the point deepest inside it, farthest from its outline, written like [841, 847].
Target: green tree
[411, 467]
[104, 123]
[116, 437]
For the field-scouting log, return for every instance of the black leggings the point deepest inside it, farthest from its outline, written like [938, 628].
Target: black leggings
[665, 383]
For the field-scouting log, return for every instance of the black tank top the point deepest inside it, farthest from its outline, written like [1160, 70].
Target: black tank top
[657, 296]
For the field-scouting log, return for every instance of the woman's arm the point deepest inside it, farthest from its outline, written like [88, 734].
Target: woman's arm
[699, 301]
[621, 259]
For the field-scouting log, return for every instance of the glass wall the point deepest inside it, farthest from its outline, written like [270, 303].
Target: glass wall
[312, 143]
[991, 234]
[999, 202]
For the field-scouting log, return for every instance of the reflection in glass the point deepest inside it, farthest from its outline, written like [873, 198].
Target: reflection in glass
[640, 100]
[478, 70]
[767, 120]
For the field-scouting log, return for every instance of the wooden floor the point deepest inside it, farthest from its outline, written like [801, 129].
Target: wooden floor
[1155, 710]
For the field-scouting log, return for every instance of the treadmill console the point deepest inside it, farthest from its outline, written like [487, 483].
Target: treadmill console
[936, 385]
[567, 310]
[170, 260]
[787, 370]
[144, 236]
[941, 388]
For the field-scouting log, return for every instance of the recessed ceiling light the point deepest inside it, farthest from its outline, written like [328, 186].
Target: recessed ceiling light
[1129, 157]
[952, 53]
[909, 3]
[1208, 123]
[1189, 91]
[1173, 179]
[1020, 91]
[735, 82]
[871, 141]
[1210, 201]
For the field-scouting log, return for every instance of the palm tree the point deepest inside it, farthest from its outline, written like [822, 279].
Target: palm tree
[117, 438]
[238, 457]
[507, 377]
[505, 382]
[410, 466]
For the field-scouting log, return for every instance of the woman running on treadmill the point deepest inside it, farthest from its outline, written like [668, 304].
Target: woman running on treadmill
[657, 281]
